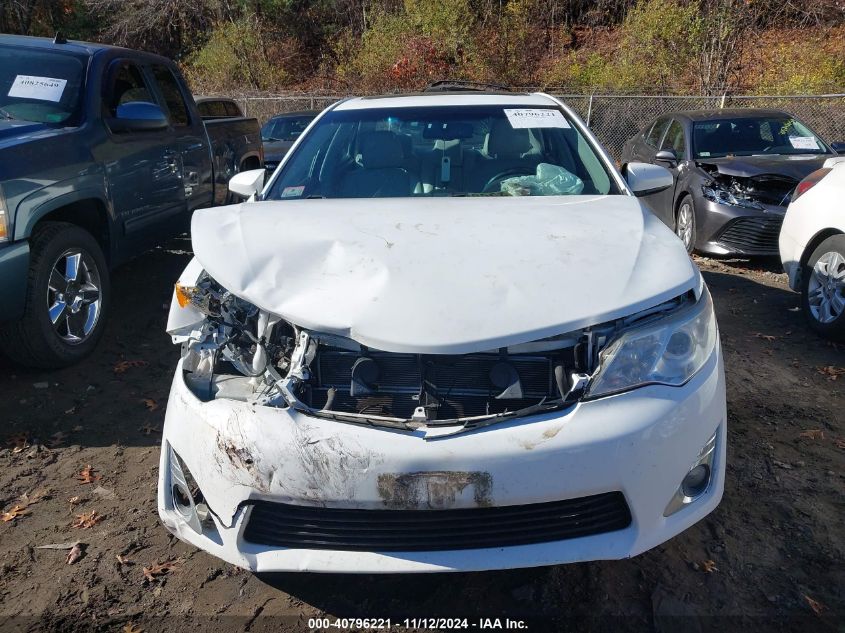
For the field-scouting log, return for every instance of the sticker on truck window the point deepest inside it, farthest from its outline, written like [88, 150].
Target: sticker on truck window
[535, 117]
[41, 88]
[293, 192]
[804, 142]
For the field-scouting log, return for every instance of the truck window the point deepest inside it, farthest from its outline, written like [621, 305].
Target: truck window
[232, 109]
[127, 84]
[169, 88]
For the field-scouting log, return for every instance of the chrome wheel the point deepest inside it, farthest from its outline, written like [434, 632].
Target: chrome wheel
[826, 289]
[685, 224]
[73, 296]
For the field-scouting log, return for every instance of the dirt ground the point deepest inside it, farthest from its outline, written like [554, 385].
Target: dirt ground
[772, 556]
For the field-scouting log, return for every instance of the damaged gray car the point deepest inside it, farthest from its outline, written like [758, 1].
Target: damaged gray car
[734, 174]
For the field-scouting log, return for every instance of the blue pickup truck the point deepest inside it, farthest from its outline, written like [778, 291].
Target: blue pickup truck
[103, 155]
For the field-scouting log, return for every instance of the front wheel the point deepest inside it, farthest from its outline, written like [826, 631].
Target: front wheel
[67, 299]
[685, 223]
[823, 288]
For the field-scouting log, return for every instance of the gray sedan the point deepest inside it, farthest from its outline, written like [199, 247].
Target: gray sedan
[735, 171]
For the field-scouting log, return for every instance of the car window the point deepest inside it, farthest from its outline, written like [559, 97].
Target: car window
[127, 85]
[443, 151]
[42, 86]
[745, 136]
[656, 133]
[169, 88]
[294, 126]
[232, 109]
[674, 138]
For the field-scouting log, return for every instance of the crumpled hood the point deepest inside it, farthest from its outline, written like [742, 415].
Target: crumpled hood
[444, 275]
[795, 167]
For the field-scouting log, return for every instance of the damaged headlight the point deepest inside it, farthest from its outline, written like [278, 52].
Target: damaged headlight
[667, 352]
[733, 195]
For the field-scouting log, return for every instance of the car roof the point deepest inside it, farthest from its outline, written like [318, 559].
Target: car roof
[74, 46]
[457, 98]
[726, 113]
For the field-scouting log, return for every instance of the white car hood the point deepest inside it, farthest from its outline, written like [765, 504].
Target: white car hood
[444, 275]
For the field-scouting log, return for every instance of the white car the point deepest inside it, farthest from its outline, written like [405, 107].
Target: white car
[812, 247]
[446, 335]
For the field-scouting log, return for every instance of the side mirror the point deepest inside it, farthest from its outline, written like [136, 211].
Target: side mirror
[645, 179]
[138, 116]
[838, 147]
[247, 183]
[666, 156]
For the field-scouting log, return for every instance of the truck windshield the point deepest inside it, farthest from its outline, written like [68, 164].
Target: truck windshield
[42, 86]
[442, 151]
[748, 136]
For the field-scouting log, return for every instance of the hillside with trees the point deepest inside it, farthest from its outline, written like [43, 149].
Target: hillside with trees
[579, 46]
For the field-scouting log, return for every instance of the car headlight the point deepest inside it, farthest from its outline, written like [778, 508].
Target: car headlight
[666, 352]
[716, 193]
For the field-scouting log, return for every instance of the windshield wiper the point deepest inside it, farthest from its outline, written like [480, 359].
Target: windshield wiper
[6, 114]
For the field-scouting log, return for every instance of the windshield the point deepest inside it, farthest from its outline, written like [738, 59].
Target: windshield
[284, 128]
[442, 151]
[41, 86]
[754, 136]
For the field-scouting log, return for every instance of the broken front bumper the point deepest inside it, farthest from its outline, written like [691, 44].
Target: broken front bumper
[641, 443]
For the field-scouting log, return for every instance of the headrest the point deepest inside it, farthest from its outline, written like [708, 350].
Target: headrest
[380, 150]
[503, 141]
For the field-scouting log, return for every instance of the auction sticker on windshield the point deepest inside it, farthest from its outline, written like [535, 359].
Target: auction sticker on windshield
[803, 142]
[41, 88]
[535, 117]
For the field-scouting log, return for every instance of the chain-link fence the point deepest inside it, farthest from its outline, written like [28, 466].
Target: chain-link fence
[616, 118]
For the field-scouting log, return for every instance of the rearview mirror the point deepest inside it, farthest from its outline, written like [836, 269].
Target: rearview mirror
[247, 183]
[138, 116]
[838, 147]
[645, 179]
[666, 156]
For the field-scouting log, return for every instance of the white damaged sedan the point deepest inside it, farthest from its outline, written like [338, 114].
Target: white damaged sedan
[446, 335]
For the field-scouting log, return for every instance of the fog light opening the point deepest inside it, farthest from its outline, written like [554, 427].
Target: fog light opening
[696, 481]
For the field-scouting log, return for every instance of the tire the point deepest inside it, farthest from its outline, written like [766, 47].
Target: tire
[78, 301]
[823, 288]
[686, 232]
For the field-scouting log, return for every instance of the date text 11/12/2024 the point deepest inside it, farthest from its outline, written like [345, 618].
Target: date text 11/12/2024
[480, 624]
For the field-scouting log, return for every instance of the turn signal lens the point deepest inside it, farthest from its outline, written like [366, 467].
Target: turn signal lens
[4, 226]
[184, 294]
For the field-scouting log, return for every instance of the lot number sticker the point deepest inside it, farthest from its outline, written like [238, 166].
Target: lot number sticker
[532, 117]
[804, 142]
[41, 88]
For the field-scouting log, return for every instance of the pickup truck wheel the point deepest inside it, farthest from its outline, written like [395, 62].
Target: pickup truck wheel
[823, 288]
[67, 299]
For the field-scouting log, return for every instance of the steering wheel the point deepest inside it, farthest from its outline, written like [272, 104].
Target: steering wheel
[514, 171]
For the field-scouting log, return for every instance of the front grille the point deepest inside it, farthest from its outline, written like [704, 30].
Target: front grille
[752, 235]
[283, 525]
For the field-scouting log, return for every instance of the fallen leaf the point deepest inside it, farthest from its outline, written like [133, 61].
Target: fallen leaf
[815, 605]
[831, 372]
[74, 554]
[58, 545]
[85, 521]
[147, 429]
[766, 337]
[131, 627]
[160, 569]
[124, 365]
[15, 513]
[812, 434]
[87, 475]
[123, 560]
[18, 442]
[709, 566]
[151, 404]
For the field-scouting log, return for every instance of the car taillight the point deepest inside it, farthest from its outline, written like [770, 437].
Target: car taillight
[809, 182]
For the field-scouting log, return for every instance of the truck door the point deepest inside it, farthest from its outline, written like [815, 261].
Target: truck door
[143, 169]
[189, 140]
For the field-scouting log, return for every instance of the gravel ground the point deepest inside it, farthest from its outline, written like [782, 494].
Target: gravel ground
[772, 556]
